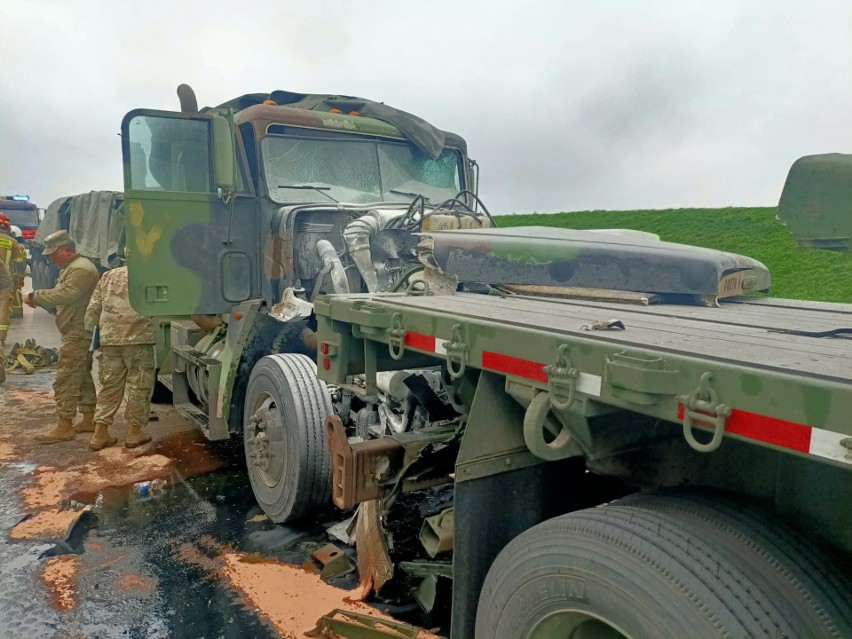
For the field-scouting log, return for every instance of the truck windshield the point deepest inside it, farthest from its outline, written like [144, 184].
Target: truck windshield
[356, 171]
[24, 218]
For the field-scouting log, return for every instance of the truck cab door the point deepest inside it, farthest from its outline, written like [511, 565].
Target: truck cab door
[191, 232]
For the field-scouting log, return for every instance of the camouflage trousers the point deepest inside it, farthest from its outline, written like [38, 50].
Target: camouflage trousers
[128, 367]
[74, 388]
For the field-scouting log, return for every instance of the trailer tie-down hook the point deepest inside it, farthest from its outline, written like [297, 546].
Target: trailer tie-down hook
[701, 407]
[457, 349]
[536, 426]
[561, 375]
[396, 337]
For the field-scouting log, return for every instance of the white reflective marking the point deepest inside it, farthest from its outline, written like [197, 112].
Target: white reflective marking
[825, 443]
[589, 384]
[439, 345]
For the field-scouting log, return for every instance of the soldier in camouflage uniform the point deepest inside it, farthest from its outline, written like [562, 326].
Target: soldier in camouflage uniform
[14, 255]
[126, 362]
[73, 389]
[6, 284]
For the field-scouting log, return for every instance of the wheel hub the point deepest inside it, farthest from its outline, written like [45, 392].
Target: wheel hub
[264, 439]
[259, 444]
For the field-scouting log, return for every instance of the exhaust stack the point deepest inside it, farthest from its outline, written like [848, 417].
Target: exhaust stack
[188, 102]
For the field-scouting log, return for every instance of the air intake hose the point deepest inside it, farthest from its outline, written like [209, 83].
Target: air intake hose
[330, 259]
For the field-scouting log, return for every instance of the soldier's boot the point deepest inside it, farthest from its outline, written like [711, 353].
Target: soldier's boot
[136, 437]
[101, 438]
[87, 424]
[62, 432]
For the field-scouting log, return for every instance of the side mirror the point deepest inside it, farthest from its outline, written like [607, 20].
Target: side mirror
[40, 215]
[223, 154]
[473, 176]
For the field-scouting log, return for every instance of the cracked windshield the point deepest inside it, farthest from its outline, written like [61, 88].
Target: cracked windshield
[356, 171]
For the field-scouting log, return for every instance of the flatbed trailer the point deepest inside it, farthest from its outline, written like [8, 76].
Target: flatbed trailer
[744, 400]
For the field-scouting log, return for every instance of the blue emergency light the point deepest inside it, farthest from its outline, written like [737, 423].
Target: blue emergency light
[20, 198]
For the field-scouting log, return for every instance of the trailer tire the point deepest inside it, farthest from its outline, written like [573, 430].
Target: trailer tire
[661, 566]
[289, 464]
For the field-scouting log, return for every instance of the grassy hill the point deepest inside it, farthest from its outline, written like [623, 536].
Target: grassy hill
[796, 273]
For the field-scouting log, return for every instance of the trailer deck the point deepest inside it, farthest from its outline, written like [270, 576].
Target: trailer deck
[788, 391]
[738, 332]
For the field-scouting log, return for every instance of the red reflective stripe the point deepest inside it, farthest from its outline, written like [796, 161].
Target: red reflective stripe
[777, 432]
[770, 430]
[514, 366]
[420, 341]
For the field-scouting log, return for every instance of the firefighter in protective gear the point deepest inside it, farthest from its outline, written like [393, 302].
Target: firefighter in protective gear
[74, 388]
[14, 256]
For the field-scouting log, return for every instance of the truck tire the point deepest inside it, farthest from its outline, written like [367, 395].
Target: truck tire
[662, 566]
[288, 460]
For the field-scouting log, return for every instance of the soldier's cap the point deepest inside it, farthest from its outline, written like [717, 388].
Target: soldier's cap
[56, 240]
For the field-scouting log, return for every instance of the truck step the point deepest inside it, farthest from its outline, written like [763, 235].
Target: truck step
[196, 357]
[184, 332]
[194, 414]
[166, 380]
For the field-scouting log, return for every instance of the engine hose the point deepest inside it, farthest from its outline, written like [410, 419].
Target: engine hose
[329, 257]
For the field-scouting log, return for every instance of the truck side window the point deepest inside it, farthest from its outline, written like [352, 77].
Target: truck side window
[170, 154]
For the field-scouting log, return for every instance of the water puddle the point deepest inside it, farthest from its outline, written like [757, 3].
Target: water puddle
[127, 576]
[194, 559]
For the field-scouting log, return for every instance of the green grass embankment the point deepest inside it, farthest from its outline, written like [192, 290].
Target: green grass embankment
[806, 274]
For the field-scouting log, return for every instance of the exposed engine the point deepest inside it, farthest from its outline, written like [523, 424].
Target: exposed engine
[347, 250]
[339, 249]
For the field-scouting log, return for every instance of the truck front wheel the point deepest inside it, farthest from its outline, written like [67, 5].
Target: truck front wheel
[288, 461]
[663, 566]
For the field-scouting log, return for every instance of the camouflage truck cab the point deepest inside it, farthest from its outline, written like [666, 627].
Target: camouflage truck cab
[237, 217]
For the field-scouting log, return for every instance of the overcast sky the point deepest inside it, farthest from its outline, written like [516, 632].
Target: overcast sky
[567, 105]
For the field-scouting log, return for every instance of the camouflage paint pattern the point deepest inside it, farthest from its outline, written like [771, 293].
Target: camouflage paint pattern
[593, 259]
[74, 389]
[779, 403]
[109, 308]
[129, 370]
[70, 297]
[648, 368]
[182, 247]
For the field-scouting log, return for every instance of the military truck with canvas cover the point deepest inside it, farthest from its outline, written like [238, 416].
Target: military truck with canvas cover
[95, 222]
[633, 445]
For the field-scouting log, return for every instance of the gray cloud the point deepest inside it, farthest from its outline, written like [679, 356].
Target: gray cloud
[566, 105]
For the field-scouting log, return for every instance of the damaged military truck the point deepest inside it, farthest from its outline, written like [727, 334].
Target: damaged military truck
[238, 217]
[631, 442]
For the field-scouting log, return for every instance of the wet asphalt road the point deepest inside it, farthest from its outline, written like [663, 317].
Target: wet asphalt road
[144, 538]
[144, 567]
[124, 535]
